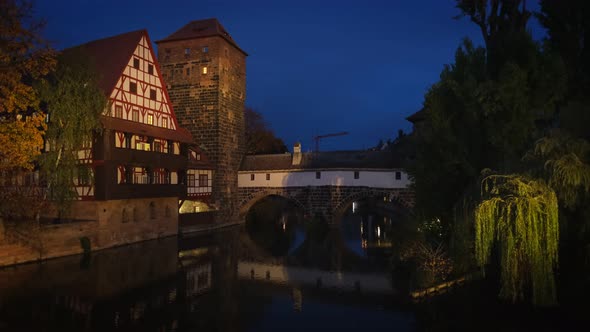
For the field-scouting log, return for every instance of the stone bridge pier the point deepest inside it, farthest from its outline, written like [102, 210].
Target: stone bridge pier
[330, 202]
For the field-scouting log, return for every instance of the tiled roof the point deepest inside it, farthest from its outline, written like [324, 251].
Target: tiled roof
[418, 116]
[110, 56]
[322, 160]
[199, 29]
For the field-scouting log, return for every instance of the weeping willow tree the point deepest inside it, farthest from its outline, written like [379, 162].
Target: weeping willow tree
[73, 103]
[519, 217]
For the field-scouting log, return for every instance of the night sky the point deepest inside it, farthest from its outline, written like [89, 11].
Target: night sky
[314, 67]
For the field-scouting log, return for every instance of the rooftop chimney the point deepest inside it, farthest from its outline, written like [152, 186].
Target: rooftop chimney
[296, 154]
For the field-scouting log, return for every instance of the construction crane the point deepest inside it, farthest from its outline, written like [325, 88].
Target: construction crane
[319, 137]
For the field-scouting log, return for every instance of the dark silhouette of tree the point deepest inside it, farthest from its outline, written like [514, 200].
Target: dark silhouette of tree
[260, 139]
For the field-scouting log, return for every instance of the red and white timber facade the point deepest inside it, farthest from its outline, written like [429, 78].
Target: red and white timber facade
[142, 164]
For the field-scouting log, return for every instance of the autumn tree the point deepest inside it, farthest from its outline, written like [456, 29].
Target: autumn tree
[74, 103]
[260, 139]
[24, 59]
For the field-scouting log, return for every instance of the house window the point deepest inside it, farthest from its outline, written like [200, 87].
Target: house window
[267, 177]
[133, 87]
[356, 174]
[205, 49]
[191, 180]
[198, 156]
[135, 114]
[118, 111]
[151, 69]
[204, 70]
[157, 146]
[318, 175]
[128, 141]
[153, 94]
[203, 180]
[136, 63]
[164, 122]
[150, 119]
[252, 176]
[398, 175]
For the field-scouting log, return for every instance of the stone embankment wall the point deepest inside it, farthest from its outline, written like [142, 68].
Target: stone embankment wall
[104, 224]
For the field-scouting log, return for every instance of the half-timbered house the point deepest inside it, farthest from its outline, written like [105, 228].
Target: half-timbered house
[142, 164]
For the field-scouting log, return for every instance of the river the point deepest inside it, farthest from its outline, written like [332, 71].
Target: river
[220, 281]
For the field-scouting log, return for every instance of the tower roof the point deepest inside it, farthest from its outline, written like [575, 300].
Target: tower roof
[110, 56]
[200, 29]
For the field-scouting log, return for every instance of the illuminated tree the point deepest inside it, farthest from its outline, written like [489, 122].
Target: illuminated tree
[519, 216]
[74, 104]
[24, 58]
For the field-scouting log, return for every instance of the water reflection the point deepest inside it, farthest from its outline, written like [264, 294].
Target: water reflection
[212, 282]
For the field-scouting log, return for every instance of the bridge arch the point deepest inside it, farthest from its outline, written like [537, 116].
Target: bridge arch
[393, 196]
[258, 196]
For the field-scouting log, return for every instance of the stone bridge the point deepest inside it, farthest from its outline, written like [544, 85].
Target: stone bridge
[326, 183]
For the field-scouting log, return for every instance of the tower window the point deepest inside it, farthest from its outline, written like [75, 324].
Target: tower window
[187, 51]
[205, 49]
[136, 63]
[188, 72]
[153, 94]
[133, 87]
[204, 70]
[151, 69]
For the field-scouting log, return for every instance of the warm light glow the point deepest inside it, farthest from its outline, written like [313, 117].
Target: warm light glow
[204, 70]
[378, 231]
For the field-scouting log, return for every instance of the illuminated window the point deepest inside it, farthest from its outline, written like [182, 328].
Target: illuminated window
[191, 180]
[318, 175]
[252, 176]
[153, 94]
[204, 70]
[133, 87]
[164, 122]
[398, 175]
[135, 114]
[151, 69]
[136, 63]
[356, 174]
[118, 111]
[203, 180]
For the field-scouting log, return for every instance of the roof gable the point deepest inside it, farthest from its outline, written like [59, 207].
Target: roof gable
[199, 29]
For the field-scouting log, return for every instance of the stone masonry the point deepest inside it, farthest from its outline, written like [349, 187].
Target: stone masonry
[205, 74]
[328, 201]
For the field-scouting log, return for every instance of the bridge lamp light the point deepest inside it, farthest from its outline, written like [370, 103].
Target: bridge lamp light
[378, 231]
[354, 207]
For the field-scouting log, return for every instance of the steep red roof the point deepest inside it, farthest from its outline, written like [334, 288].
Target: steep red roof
[200, 29]
[110, 56]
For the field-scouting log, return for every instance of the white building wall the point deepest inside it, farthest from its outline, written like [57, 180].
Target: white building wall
[367, 178]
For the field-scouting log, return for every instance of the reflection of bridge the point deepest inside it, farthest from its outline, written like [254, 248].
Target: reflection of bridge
[341, 281]
[326, 182]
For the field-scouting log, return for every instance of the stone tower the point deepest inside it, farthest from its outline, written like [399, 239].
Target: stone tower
[205, 73]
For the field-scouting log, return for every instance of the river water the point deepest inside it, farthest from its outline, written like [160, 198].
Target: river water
[221, 281]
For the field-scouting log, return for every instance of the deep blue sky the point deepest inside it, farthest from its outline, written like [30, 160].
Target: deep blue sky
[314, 67]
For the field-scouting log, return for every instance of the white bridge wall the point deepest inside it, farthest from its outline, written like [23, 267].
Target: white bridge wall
[372, 178]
